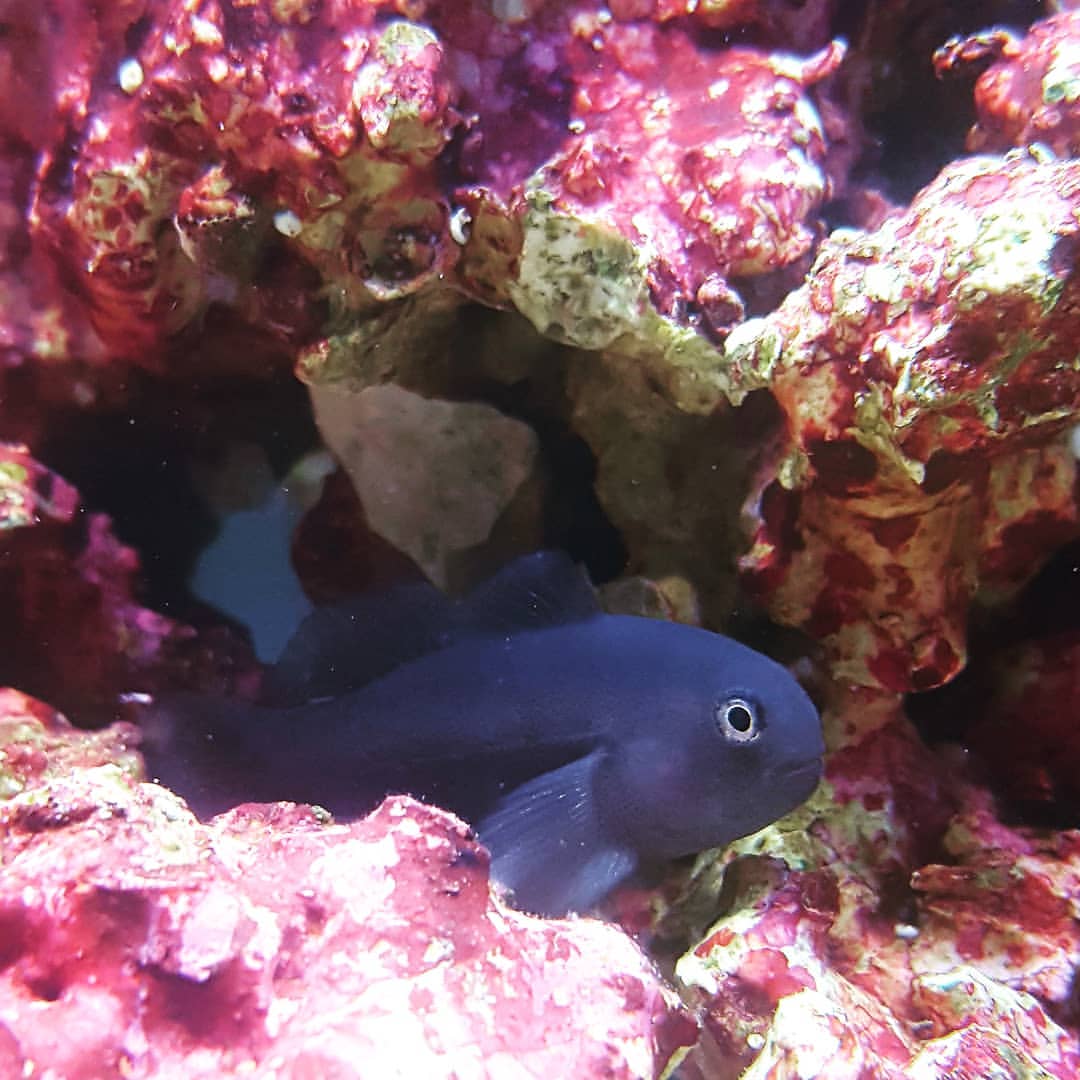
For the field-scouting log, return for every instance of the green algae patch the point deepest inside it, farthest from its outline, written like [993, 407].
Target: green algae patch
[38, 745]
[582, 283]
[16, 511]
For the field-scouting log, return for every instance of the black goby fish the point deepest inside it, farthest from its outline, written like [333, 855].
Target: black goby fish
[580, 745]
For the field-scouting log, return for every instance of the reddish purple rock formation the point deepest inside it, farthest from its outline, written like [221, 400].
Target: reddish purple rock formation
[926, 375]
[257, 156]
[225, 189]
[73, 628]
[1030, 93]
[135, 941]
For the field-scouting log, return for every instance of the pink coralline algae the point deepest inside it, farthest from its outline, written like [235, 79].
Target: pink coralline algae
[259, 156]
[927, 376]
[1004, 903]
[829, 965]
[74, 630]
[726, 191]
[1031, 91]
[267, 94]
[137, 942]
[613, 225]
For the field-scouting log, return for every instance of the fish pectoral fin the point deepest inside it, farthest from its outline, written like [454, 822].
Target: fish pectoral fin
[549, 846]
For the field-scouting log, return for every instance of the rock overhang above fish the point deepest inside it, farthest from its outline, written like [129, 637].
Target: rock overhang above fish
[580, 745]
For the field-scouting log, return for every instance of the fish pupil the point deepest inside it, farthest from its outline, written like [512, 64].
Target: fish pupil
[740, 718]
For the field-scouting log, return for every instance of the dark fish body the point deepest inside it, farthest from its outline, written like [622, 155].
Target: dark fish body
[579, 744]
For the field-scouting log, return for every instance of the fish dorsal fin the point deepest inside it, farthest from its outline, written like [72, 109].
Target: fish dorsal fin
[549, 846]
[340, 647]
[544, 589]
[343, 646]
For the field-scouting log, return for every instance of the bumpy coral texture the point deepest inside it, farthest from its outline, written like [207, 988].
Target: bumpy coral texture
[251, 152]
[273, 941]
[927, 375]
[226, 189]
[1031, 92]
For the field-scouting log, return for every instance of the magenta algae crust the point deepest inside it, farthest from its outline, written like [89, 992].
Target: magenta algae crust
[274, 941]
[927, 376]
[1030, 93]
[733, 300]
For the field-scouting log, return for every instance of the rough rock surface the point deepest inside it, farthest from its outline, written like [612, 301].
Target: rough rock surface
[74, 630]
[894, 928]
[434, 477]
[1030, 92]
[138, 942]
[208, 193]
[927, 375]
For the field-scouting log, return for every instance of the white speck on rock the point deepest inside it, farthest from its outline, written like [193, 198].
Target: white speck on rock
[129, 75]
[287, 223]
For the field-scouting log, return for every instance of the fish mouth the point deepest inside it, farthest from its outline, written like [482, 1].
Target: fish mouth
[803, 775]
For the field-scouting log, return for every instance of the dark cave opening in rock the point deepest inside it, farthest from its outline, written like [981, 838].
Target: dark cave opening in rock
[149, 465]
[141, 465]
[1012, 709]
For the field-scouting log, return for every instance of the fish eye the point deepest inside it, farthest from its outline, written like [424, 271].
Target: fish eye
[738, 719]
